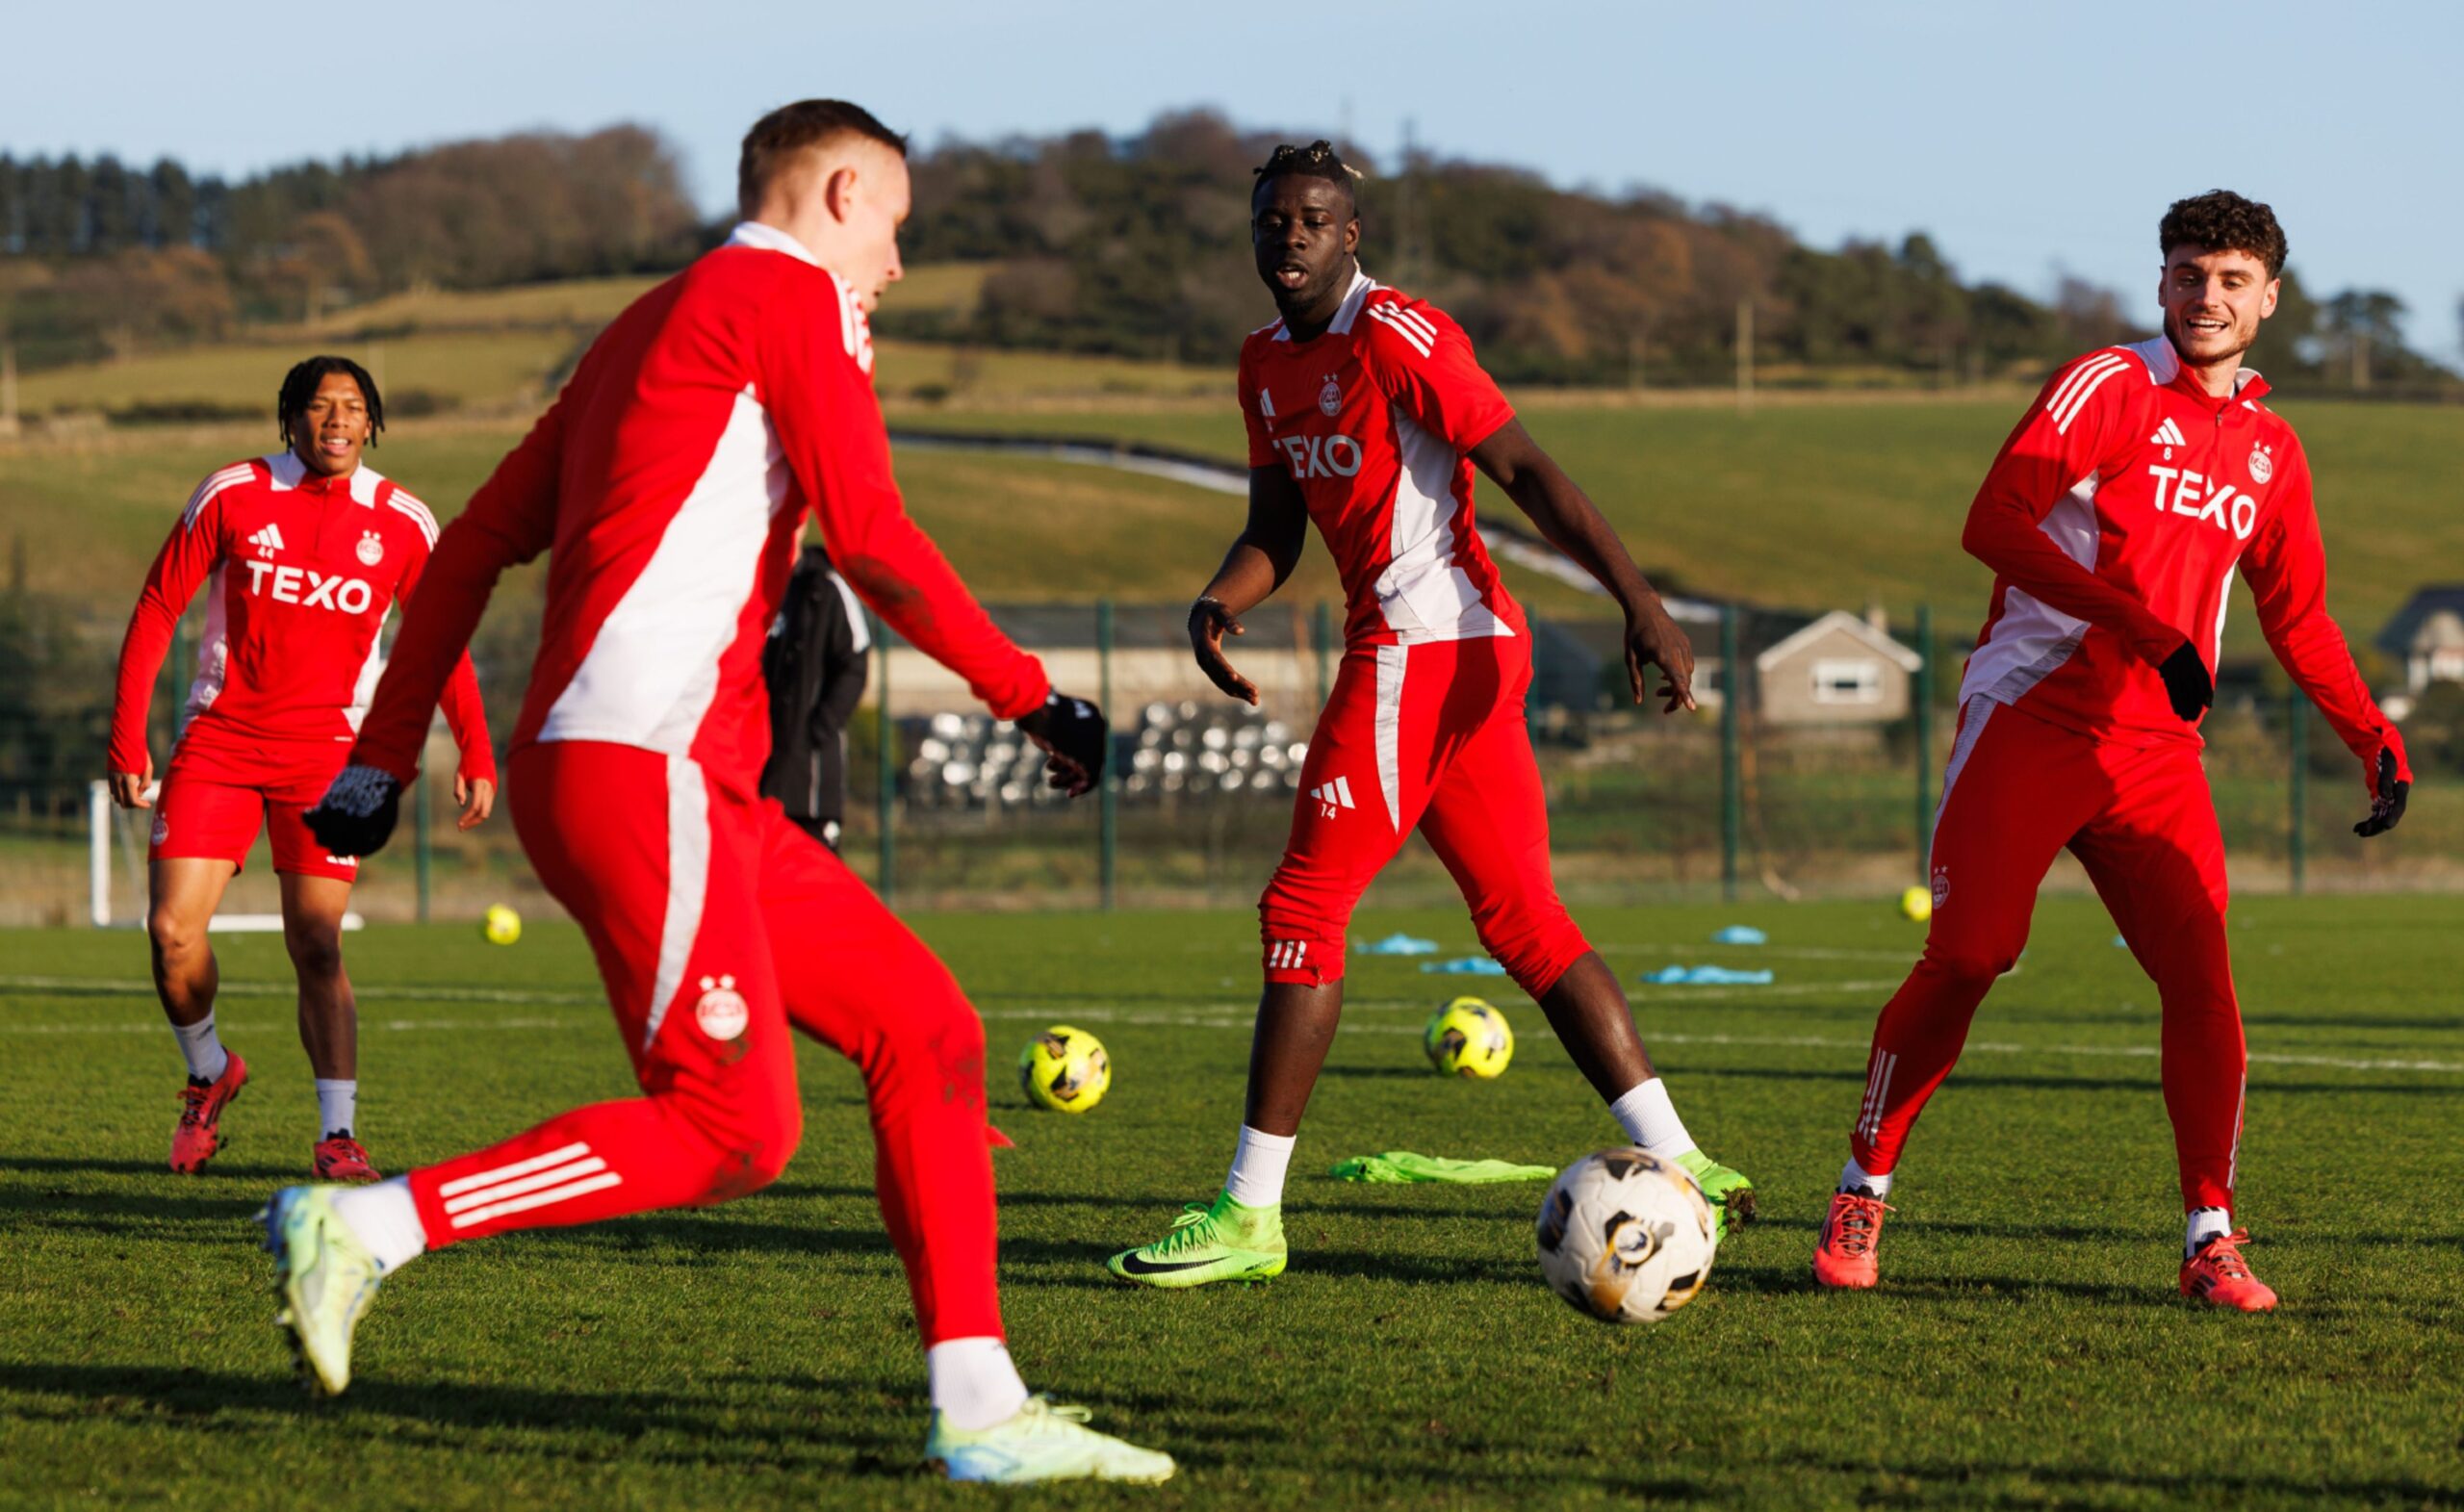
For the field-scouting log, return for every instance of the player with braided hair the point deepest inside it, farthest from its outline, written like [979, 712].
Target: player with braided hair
[1367, 413]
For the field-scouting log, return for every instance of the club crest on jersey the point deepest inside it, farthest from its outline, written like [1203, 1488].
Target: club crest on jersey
[162, 827]
[1941, 885]
[372, 549]
[1330, 398]
[721, 1012]
[2262, 463]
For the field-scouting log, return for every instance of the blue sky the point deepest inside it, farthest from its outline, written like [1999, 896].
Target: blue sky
[2028, 140]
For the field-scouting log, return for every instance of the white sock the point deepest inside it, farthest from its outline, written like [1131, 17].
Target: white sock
[1259, 1161]
[337, 1107]
[1650, 1119]
[1853, 1176]
[386, 1220]
[2205, 1223]
[973, 1383]
[202, 1048]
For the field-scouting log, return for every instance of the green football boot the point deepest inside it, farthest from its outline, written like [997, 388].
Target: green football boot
[323, 1277]
[1041, 1441]
[1223, 1242]
[1730, 1194]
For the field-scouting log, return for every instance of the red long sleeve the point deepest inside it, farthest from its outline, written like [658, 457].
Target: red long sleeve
[464, 713]
[194, 545]
[2054, 449]
[510, 519]
[2286, 566]
[830, 425]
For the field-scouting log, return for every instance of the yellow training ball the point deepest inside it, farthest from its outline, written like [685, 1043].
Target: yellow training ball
[500, 925]
[1065, 1069]
[1467, 1037]
[1918, 903]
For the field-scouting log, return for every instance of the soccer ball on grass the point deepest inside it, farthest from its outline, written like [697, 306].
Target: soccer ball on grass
[1467, 1037]
[1626, 1236]
[1065, 1069]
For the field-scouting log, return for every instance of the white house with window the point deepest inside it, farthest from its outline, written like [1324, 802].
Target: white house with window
[1838, 670]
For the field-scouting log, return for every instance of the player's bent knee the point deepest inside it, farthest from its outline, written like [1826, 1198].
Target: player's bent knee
[1301, 936]
[1970, 969]
[316, 951]
[1536, 946]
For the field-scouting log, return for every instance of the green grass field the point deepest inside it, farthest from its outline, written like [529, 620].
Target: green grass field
[2027, 1348]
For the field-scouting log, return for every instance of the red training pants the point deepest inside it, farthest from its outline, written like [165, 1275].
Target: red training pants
[717, 924]
[1430, 735]
[2142, 823]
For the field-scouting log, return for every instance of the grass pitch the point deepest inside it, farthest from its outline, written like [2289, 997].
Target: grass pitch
[2027, 1348]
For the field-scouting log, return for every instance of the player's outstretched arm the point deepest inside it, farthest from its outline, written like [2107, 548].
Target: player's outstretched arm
[1261, 558]
[1573, 525]
[2286, 566]
[188, 554]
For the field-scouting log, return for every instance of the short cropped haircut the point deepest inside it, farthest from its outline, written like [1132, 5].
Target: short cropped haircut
[300, 384]
[2223, 221]
[1318, 160]
[778, 139]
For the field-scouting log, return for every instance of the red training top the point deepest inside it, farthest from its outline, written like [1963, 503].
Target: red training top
[1372, 418]
[669, 481]
[2114, 520]
[301, 572]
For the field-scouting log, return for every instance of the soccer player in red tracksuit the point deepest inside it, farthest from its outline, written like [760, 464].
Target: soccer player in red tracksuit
[669, 483]
[303, 554]
[2115, 517]
[1366, 413]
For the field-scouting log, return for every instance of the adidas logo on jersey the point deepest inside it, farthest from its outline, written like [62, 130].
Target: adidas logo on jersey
[1332, 797]
[267, 541]
[2169, 436]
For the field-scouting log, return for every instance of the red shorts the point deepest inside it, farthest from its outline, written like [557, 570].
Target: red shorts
[220, 788]
[1430, 736]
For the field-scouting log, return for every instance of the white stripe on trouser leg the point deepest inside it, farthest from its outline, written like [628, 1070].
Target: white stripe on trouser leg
[538, 1181]
[688, 878]
[539, 1199]
[1877, 1092]
[522, 1168]
[2233, 1160]
[1390, 731]
[1972, 721]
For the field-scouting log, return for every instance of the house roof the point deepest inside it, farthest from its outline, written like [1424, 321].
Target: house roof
[1841, 620]
[2397, 639]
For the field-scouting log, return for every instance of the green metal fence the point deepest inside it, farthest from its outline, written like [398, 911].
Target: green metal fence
[1728, 801]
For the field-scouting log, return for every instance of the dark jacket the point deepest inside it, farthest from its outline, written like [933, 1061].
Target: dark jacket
[815, 665]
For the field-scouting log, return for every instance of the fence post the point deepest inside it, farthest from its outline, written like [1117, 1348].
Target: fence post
[886, 769]
[1924, 739]
[1321, 631]
[2297, 733]
[419, 847]
[1731, 776]
[1110, 801]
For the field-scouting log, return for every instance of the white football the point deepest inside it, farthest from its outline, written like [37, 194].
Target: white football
[1625, 1236]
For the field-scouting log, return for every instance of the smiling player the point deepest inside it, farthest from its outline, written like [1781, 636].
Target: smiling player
[1367, 413]
[2115, 517]
[303, 554]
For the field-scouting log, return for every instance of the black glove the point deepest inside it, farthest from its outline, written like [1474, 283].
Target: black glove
[2389, 806]
[2186, 680]
[357, 813]
[1073, 733]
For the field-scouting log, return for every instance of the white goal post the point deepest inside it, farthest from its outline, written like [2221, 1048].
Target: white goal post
[109, 828]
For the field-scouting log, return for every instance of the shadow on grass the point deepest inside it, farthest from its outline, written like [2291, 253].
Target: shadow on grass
[1961, 1077]
[2075, 1484]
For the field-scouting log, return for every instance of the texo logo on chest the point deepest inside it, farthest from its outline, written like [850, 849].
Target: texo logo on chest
[2191, 493]
[310, 588]
[1320, 456]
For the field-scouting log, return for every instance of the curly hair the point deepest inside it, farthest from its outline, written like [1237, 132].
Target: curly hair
[300, 384]
[2223, 221]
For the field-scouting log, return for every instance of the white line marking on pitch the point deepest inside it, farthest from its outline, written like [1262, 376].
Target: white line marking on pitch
[1217, 1015]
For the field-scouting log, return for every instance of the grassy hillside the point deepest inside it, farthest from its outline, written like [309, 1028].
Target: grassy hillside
[1813, 503]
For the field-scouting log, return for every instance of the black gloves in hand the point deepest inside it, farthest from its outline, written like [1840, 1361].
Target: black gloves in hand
[2186, 680]
[2389, 806]
[357, 813]
[1072, 731]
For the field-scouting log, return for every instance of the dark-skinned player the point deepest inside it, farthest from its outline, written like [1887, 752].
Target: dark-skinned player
[1366, 413]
